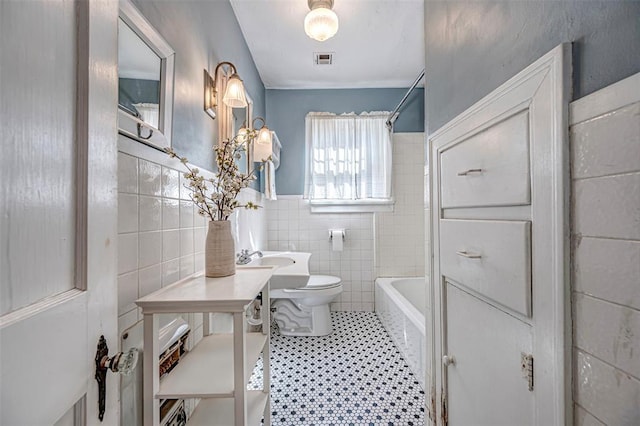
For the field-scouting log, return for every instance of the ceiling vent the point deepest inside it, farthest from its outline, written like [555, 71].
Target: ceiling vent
[323, 58]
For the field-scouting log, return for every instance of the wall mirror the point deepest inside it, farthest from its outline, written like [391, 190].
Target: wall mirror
[243, 117]
[145, 79]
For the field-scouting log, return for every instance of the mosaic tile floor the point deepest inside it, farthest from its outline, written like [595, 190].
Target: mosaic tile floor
[355, 376]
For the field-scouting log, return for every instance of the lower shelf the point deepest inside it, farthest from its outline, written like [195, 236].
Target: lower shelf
[207, 370]
[219, 411]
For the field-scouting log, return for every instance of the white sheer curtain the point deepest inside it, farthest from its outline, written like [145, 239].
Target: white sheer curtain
[348, 157]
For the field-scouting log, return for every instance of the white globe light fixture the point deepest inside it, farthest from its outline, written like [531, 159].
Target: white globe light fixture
[321, 23]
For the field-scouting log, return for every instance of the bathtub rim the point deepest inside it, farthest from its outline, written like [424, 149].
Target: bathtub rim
[416, 317]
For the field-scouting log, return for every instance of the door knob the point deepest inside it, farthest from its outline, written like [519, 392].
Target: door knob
[122, 363]
[448, 360]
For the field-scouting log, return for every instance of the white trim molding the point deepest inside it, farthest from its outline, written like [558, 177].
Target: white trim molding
[613, 97]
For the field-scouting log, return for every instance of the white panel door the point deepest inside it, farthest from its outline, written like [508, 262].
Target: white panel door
[58, 211]
[508, 258]
[487, 345]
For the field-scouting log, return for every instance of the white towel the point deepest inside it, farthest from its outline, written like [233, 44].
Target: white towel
[269, 180]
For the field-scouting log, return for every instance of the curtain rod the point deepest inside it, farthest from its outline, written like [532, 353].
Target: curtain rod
[392, 117]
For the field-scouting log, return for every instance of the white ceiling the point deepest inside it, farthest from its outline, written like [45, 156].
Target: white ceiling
[380, 43]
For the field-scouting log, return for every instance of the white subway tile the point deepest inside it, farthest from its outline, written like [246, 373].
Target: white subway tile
[186, 242]
[150, 215]
[150, 249]
[127, 173]
[127, 253]
[149, 178]
[170, 272]
[127, 292]
[170, 183]
[127, 320]
[183, 187]
[170, 213]
[609, 144]
[198, 262]
[127, 213]
[199, 221]
[170, 245]
[607, 393]
[199, 238]
[608, 269]
[582, 417]
[187, 266]
[608, 207]
[149, 280]
[186, 214]
[608, 331]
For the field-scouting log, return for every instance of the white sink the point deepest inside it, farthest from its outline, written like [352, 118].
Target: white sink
[279, 261]
[292, 267]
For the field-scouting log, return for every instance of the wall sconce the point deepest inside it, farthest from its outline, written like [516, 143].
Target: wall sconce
[321, 23]
[234, 93]
[262, 144]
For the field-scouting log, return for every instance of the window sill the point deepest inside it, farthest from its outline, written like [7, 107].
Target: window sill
[360, 206]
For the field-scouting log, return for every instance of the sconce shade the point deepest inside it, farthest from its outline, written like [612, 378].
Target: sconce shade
[262, 147]
[321, 23]
[234, 95]
[242, 135]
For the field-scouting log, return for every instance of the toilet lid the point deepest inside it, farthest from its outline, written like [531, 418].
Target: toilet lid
[318, 282]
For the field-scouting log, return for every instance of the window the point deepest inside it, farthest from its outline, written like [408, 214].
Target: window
[348, 162]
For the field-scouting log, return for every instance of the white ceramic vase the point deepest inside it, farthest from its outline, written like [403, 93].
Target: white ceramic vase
[219, 250]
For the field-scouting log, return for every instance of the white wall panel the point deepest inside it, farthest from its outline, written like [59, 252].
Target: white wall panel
[613, 396]
[399, 240]
[583, 418]
[608, 330]
[608, 144]
[37, 165]
[608, 269]
[608, 206]
[605, 147]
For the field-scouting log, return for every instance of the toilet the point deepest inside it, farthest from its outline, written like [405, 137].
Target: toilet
[304, 311]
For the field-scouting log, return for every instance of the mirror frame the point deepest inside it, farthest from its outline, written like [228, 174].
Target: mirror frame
[129, 125]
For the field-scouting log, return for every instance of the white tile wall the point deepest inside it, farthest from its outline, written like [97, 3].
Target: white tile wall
[161, 235]
[292, 226]
[156, 232]
[606, 267]
[400, 236]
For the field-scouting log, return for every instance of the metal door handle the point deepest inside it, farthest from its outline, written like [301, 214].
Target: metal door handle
[469, 171]
[122, 363]
[448, 360]
[468, 255]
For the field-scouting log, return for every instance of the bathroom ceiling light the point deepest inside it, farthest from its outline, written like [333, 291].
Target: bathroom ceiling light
[321, 23]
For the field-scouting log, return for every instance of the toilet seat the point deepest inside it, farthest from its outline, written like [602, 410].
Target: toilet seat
[320, 282]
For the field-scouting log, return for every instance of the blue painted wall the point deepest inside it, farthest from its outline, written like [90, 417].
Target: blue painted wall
[286, 111]
[202, 33]
[474, 46]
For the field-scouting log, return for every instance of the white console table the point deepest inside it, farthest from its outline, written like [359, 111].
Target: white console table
[218, 367]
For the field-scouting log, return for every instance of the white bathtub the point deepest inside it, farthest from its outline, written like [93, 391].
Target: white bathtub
[401, 306]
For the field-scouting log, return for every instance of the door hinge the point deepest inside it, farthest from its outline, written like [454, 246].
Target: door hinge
[526, 365]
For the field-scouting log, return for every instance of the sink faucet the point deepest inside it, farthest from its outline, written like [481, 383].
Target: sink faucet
[244, 256]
